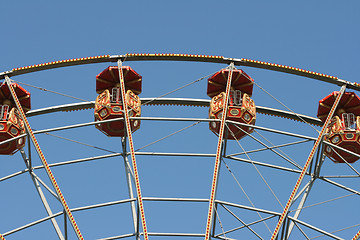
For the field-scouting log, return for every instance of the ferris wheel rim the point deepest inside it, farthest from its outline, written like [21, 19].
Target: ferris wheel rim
[170, 101]
[45, 111]
[181, 57]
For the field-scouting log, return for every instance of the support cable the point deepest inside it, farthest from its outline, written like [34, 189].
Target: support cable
[268, 148]
[132, 152]
[316, 204]
[177, 89]
[308, 161]
[302, 119]
[41, 194]
[242, 189]
[43, 160]
[289, 158]
[51, 91]
[160, 139]
[232, 174]
[338, 230]
[257, 170]
[218, 218]
[244, 224]
[347, 163]
[88, 145]
[218, 155]
[145, 103]
[302, 231]
[110, 151]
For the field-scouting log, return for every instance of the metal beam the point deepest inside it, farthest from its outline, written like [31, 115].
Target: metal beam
[340, 185]
[43, 160]
[132, 151]
[174, 101]
[218, 155]
[357, 236]
[171, 199]
[160, 119]
[130, 187]
[268, 148]
[295, 164]
[42, 196]
[308, 161]
[244, 224]
[300, 206]
[180, 57]
[72, 210]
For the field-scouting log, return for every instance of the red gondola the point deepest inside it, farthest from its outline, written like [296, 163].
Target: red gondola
[11, 124]
[344, 128]
[108, 104]
[241, 107]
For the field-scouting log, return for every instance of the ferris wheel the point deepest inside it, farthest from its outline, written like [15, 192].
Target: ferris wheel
[218, 148]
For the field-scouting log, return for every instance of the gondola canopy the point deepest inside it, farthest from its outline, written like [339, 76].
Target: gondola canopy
[349, 103]
[109, 78]
[22, 94]
[240, 81]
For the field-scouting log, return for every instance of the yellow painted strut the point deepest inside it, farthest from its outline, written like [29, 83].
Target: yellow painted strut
[218, 155]
[43, 160]
[132, 151]
[308, 161]
[357, 236]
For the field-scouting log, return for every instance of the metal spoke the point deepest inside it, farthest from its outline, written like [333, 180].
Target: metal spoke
[311, 155]
[43, 160]
[41, 194]
[210, 214]
[245, 225]
[300, 206]
[129, 178]
[268, 148]
[132, 151]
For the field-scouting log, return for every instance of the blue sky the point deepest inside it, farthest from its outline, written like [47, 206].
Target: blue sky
[321, 36]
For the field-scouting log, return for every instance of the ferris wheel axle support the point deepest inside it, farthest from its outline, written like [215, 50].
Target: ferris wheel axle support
[43, 160]
[210, 215]
[307, 163]
[132, 151]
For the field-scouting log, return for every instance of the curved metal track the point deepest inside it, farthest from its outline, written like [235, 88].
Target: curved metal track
[180, 102]
[181, 57]
[313, 173]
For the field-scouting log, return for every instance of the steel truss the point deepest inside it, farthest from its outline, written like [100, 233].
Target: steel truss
[288, 220]
[314, 173]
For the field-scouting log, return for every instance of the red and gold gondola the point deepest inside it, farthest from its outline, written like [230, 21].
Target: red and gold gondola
[344, 128]
[11, 124]
[241, 107]
[108, 104]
